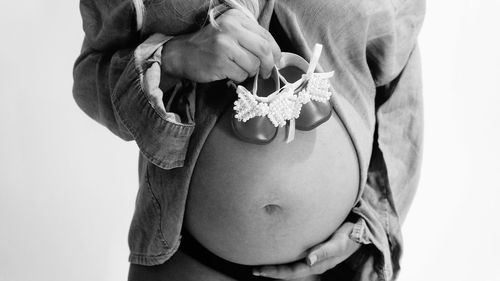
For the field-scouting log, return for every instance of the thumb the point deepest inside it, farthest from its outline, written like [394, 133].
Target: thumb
[323, 251]
[336, 246]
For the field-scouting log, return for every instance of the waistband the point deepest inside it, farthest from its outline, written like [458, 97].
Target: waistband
[190, 246]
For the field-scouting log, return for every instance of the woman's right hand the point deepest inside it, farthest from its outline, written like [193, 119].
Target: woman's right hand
[237, 51]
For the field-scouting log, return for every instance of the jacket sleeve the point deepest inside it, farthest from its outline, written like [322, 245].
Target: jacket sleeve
[117, 83]
[397, 149]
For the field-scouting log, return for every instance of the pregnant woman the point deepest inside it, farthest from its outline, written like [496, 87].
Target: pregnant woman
[222, 198]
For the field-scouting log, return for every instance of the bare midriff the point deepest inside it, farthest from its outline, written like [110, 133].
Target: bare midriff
[268, 204]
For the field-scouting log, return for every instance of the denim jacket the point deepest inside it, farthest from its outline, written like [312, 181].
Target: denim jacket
[372, 46]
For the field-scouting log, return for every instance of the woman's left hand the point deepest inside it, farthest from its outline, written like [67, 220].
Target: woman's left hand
[319, 259]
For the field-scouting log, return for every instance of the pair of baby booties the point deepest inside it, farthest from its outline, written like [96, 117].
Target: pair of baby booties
[303, 104]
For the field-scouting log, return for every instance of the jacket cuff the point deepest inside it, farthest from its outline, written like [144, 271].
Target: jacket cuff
[162, 136]
[380, 260]
[359, 233]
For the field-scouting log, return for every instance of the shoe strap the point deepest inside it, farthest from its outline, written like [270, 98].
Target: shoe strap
[314, 59]
[271, 96]
[290, 131]
[299, 61]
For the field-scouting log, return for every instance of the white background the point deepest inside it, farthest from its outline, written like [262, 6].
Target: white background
[67, 186]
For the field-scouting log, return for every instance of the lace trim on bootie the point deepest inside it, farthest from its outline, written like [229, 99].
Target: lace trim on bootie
[285, 104]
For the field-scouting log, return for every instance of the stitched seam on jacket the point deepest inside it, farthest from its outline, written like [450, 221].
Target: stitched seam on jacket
[158, 206]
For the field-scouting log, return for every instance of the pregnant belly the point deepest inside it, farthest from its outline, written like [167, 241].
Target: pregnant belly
[265, 204]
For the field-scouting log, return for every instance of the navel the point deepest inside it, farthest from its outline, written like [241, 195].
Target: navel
[273, 209]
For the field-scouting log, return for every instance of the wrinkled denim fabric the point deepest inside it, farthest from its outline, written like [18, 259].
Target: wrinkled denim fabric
[370, 44]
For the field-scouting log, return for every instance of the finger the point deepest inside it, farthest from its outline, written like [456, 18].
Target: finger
[267, 66]
[289, 271]
[244, 59]
[258, 47]
[253, 38]
[325, 265]
[266, 35]
[323, 251]
[297, 270]
[234, 72]
[339, 246]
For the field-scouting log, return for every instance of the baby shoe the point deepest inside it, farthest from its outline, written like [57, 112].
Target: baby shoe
[312, 88]
[302, 104]
[249, 121]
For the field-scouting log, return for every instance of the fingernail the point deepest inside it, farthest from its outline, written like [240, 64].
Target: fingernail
[312, 259]
[256, 273]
